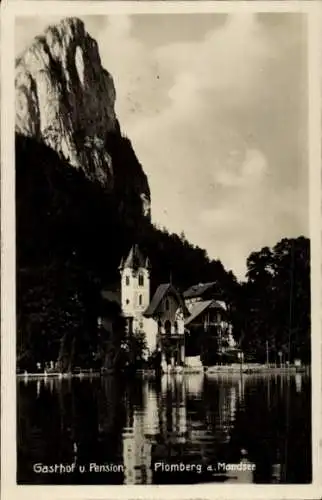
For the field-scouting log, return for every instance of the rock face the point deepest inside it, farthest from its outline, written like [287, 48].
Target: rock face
[65, 99]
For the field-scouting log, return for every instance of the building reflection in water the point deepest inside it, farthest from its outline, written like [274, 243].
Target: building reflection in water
[173, 409]
[161, 420]
[160, 429]
[194, 385]
[49, 383]
[194, 419]
[141, 429]
[241, 389]
[298, 382]
[276, 473]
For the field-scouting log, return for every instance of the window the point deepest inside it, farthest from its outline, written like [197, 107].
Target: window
[141, 280]
[140, 300]
[127, 280]
[167, 304]
[127, 301]
[167, 327]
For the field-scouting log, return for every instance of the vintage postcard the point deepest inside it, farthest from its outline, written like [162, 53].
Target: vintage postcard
[161, 198]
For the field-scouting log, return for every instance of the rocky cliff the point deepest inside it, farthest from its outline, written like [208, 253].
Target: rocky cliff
[65, 99]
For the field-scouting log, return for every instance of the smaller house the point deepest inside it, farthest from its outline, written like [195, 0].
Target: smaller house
[167, 313]
[208, 314]
[206, 307]
[208, 321]
[201, 292]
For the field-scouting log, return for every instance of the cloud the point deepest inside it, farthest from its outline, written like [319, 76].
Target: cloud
[225, 155]
[218, 121]
[227, 59]
[248, 173]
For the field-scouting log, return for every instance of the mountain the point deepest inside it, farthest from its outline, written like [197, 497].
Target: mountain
[65, 99]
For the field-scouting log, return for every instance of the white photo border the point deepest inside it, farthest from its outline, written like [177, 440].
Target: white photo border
[17, 8]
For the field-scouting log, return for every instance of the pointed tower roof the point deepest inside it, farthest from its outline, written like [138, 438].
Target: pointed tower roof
[147, 264]
[135, 260]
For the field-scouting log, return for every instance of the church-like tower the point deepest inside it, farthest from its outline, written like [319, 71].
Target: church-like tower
[135, 288]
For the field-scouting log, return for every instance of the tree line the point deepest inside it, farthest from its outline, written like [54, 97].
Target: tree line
[271, 314]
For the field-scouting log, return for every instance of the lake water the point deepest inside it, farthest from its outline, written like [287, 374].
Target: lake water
[181, 429]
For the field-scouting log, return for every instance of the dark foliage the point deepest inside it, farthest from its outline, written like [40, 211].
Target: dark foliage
[272, 308]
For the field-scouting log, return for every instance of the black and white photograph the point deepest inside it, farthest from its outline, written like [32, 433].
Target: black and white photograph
[163, 249]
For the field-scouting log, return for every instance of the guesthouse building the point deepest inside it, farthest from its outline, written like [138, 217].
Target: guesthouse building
[168, 312]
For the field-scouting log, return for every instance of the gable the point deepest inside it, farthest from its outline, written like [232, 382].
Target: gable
[163, 292]
[203, 306]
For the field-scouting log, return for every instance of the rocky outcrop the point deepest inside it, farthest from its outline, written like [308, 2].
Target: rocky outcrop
[82, 197]
[65, 99]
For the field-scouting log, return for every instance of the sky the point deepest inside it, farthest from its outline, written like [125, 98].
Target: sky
[216, 108]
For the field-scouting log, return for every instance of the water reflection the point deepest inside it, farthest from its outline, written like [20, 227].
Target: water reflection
[174, 430]
[298, 382]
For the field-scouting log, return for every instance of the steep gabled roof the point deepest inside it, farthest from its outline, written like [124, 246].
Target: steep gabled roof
[135, 260]
[197, 310]
[160, 293]
[198, 290]
[202, 306]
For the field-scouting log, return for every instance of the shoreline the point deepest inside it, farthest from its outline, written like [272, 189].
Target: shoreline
[213, 370]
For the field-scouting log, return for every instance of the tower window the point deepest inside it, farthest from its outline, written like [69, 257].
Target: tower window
[167, 305]
[127, 280]
[127, 301]
[140, 300]
[141, 280]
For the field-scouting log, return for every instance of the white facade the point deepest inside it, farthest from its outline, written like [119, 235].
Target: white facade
[135, 295]
[151, 331]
